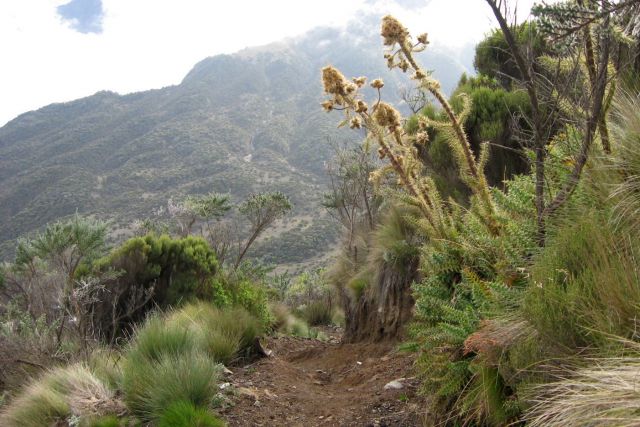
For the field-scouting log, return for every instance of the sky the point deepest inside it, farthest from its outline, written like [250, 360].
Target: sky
[60, 50]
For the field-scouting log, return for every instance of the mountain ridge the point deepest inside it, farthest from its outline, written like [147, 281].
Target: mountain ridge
[236, 123]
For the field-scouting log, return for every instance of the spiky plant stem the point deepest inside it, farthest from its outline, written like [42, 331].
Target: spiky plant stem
[480, 183]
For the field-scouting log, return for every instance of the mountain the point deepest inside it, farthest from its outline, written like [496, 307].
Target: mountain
[236, 124]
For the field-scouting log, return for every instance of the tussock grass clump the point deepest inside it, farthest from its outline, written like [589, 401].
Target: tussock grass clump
[280, 313]
[221, 333]
[185, 414]
[36, 406]
[159, 338]
[106, 421]
[58, 395]
[149, 388]
[318, 313]
[106, 365]
[605, 393]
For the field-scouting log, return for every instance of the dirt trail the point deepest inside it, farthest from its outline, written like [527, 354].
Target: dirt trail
[314, 383]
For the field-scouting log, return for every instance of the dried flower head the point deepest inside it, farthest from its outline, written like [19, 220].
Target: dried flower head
[327, 105]
[361, 107]
[419, 75]
[360, 81]
[333, 81]
[387, 116]
[422, 137]
[393, 31]
[355, 123]
[422, 38]
[377, 84]
[404, 66]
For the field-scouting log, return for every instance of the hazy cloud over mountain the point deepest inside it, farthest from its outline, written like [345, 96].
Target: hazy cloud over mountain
[84, 16]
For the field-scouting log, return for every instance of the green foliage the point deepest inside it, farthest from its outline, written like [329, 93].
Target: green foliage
[185, 414]
[58, 395]
[37, 406]
[157, 340]
[469, 277]
[209, 206]
[106, 421]
[493, 57]
[318, 313]
[585, 288]
[178, 268]
[149, 388]
[64, 244]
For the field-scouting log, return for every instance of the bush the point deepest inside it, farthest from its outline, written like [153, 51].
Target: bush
[318, 313]
[149, 388]
[185, 414]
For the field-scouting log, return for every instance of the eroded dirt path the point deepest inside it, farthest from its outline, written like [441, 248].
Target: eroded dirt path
[313, 383]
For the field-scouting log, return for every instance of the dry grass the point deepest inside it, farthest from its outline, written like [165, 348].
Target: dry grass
[606, 393]
[60, 394]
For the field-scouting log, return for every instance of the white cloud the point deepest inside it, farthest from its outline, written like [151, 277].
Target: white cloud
[153, 43]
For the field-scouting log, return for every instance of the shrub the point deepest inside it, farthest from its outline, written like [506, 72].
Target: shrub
[149, 388]
[318, 313]
[185, 414]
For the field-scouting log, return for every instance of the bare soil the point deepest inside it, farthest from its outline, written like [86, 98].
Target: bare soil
[314, 383]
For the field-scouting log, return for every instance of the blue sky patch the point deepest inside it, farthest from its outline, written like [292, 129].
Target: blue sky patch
[84, 16]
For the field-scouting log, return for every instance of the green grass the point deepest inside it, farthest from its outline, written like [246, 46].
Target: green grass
[318, 313]
[149, 388]
[57, 395]
[37, 406]
[158, 338]
[185, 414]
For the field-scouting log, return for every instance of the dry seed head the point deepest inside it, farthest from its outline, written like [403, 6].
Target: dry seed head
[360, 81]
[386, 116]
[422, 38]
[333, 81]
[327, 105]
[362, 107]
[422, 137]
[393, 31]
[377, 84]
[404, 66]
[419, 75]
[355, 123]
